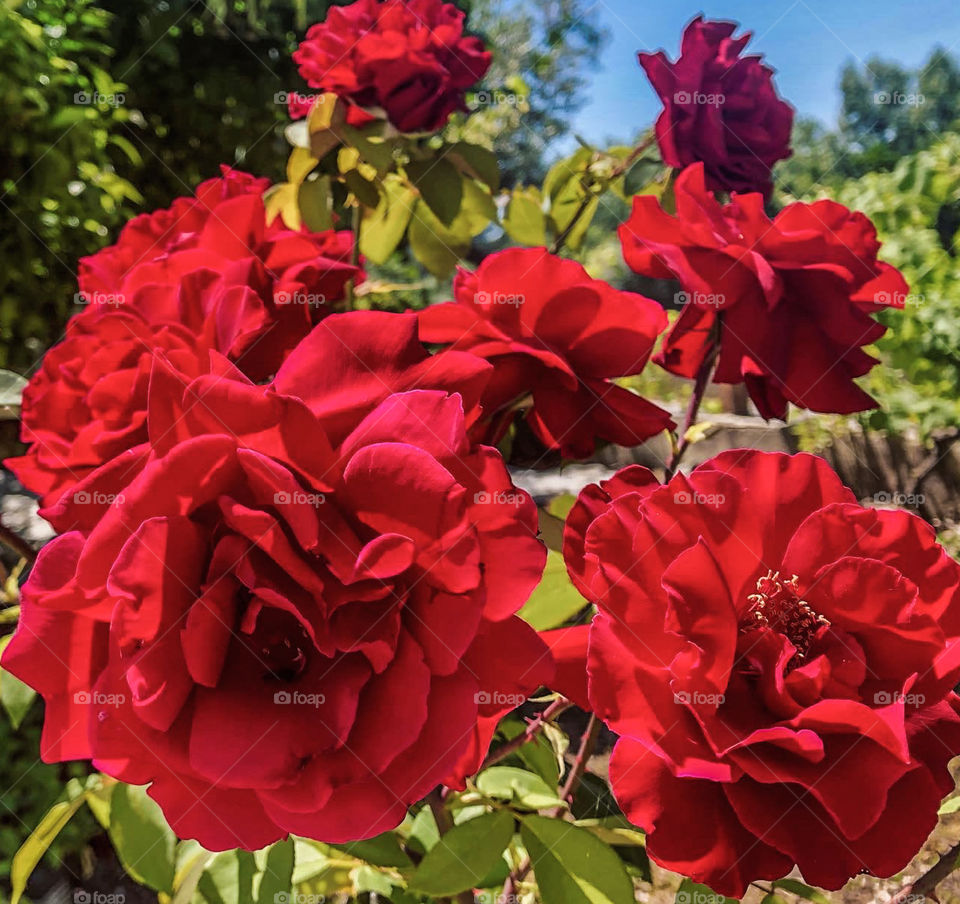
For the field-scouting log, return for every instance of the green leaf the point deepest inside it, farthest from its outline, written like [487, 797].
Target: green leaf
[538, 754]
[365, 191]
[228, 879]
[368, 879]
[691, 892]
[424, 834]
[573, 866]
[383, 850]
[440, 185]
[566, 170]
[384, 226]
[522, 788]
[640, 175]
[26, 859]
[314, 201]
[555, 599]
[440, 248]
[464, 855]
[477, 162]
[524, 220]
[802, 890]
[277, 869]
[15, 696]
[141, 837]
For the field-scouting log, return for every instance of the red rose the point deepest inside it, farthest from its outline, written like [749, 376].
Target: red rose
[286, 628]
[778, 662]
[795, 294]
[260, 287]
[87, 403]
[407, 58]
[554, 334]
[720, 109]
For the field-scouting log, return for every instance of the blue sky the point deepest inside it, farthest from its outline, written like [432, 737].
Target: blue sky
[806, 41]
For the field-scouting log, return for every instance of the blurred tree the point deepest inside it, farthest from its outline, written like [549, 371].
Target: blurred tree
[544, 53]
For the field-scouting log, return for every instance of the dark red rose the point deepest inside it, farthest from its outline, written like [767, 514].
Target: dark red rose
[557, 336]
[795, 294]
[720, 109]
[779, 663]
[284, 627]
[211, 262]
[87, 403]
[407, 58]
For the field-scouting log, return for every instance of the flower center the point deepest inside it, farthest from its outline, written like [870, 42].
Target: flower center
[282, 645]
[777, 605]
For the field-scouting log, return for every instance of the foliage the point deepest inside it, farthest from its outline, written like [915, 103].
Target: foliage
[64, 158]
[916, 209]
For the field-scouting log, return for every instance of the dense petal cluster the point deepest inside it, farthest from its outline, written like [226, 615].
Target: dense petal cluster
[292, 616]
[87, 403]
[557, 338]
[788, 299]
[773, 656]
[720, 109]
[212, 263]
[406, 59]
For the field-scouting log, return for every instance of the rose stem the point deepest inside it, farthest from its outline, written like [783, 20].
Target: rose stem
[444, 824]
[355, 222]
[925, 885]
[17, 544]
[696, 399]
[533, 729]
[567, 793]
[561, 239]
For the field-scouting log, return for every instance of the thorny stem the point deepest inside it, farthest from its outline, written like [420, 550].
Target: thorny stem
[927, 883]
[535, 726]
[583, 755]
[704, 375]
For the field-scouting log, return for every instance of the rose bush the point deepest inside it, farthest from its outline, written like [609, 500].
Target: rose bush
[557, 337]
[775, 658]
[720, 109]
[276, 578]
[407, 60]
[213, 263]
[788, 300]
